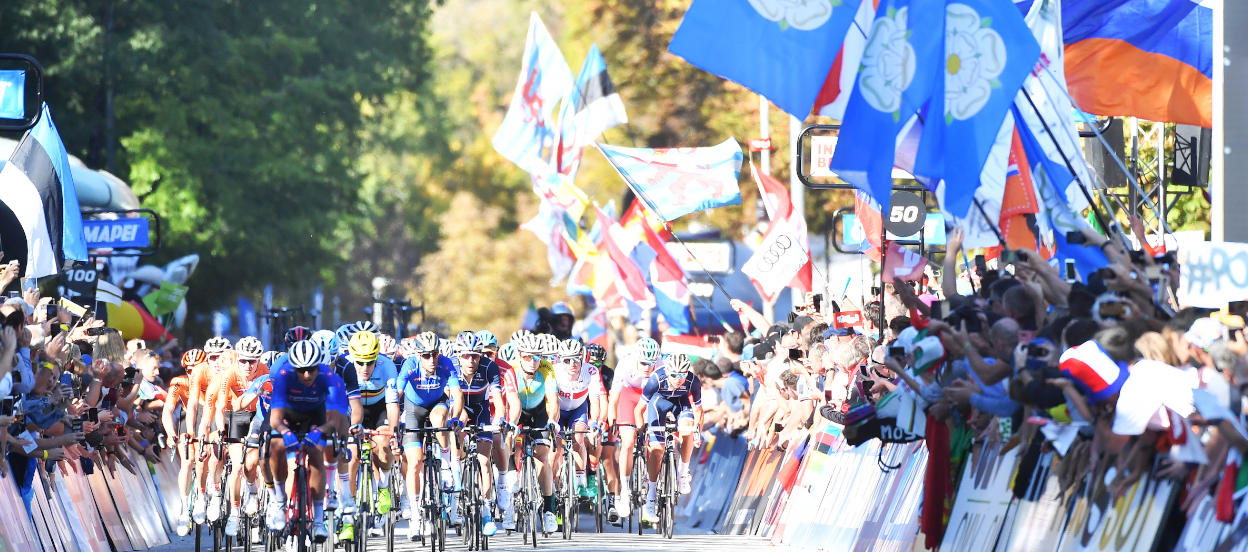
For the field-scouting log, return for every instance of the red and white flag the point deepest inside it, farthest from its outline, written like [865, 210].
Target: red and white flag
[903, 262]
[783, 259]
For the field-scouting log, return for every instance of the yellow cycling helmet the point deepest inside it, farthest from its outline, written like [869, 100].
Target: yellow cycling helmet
[363, 347]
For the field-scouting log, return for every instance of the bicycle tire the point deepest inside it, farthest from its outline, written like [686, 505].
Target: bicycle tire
[390, 522]
[199, 530]
[600, 499]
[533, 524]
[568, 493]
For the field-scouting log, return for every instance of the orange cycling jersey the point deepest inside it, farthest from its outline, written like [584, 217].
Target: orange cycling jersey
[179, 391]
[231, 382]
[200, 378]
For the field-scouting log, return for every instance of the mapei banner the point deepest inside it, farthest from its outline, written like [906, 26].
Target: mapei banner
[116, 233]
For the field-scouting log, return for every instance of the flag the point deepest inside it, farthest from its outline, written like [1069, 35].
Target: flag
[592, 107]
[1044, 102]
[1019, 203]
[106, 292]
[635, 215]
[221, 322]
[897, 75]
[530, 319]
[868, 212]
[595, 328]
[779, 258]
[665, 276]
[165, 299]
[902, 262]
[692, 345]
[679, 181]
[1151, 59]
[980, 225]
[781, 50]
[618, 244]
[1056, 217]
[548, 226]
[988, 51]
[779, 207]
[834, 96]
[31, 221]
[1092, 369]
[560, 192]
[73, 240]
[527, 134]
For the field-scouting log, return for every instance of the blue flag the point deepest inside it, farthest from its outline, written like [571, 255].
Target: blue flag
[247, 318]
[73, 240]
[12, 94]
[781, 50]
[899, 69]
[988, 52]
[1056, 216]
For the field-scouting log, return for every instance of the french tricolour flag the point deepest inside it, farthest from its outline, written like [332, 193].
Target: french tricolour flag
[1093, 369]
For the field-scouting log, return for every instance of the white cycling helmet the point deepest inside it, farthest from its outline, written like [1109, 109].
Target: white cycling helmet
[647, 349]
[677, 366]
[425, 342]
[509, 353]
[269, 357]
[572, 348]
[468, 342]
[550, 345]
[216, 345]
[367, 326]
[446, 347]
[326, 340]
[516, 335]
[388, 345]
[249, 348]
[305, 354]
[529, 344]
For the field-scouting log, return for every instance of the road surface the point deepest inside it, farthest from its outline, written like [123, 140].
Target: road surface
[614, 540]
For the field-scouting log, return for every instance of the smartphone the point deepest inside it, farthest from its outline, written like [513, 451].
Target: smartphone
[1011, 256]
[121, 430]
[981, 265]
[937, 310]
[1075, 237]
[51, 310]
[817, 301]
[130, 372]
[15, 295]
[6, 405]
[17, 376]
[1037, 351]
[896, 351]
[76, 426]
[1070, 274]
[93, 415]
[827, 395]
[795, 354]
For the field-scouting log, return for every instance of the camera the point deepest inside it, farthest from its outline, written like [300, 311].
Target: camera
[93, 415]
[1037, 351]
[130, 373]
[52, 310]
[965, 314]
[795, 354]
[97, 331]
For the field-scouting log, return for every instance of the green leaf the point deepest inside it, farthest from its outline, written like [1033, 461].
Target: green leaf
[985, 22]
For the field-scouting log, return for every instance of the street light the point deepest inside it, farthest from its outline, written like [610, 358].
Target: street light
[379, 284]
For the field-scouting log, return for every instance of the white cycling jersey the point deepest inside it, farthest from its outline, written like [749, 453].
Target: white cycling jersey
[630, 373]
[575, 389]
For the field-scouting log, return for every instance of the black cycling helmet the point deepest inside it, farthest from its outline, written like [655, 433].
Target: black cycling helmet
[296, 334]
[597, 354]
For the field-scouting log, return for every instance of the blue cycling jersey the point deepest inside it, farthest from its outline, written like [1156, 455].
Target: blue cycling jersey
[373, 390]
[688, 391]
[422, 389]
[289, 393]
[486, 380]
[337, 399]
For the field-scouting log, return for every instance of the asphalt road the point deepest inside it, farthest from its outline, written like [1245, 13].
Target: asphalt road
[613, 540]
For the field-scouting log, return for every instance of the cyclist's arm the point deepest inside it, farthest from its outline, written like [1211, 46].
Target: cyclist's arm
[357, 411]
[595, 396]
[647, 393]
[393, 411]
[552, 400]
[166, 417]
[454, 393]
[613, 404]
[277, 405]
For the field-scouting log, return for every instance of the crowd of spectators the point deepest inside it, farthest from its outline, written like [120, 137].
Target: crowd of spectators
[73, 392]
[1105, 370]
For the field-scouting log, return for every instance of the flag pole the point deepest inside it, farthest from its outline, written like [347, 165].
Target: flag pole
[1118, 160]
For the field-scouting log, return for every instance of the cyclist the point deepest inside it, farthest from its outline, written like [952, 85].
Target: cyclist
[482, 387]
[580, 394]
[631, 374]
[175, 425]
[428, 390]
[232, 417]
[196, 414]
[366, 381]
[507, 409]
[304, 396]
[670, 390]
[259, 393]
[539, 408]
[603, 452]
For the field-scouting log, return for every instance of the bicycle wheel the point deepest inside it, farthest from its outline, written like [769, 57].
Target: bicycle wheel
[567, 495]
[600, 504]
[668, 518]
[638, 490]
[533, 521]
[199, 531]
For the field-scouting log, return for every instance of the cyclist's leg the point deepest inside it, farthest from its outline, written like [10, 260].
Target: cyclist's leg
[414, 416]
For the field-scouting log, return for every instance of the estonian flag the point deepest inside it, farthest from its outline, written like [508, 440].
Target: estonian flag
[40, 223]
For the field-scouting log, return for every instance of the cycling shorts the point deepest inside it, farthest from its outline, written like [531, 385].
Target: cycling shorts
[238, 424]
[579, 415]
[259, 428]
[302, 421]
[417, 416]
[626, 404]
[534, 417]
[374, 415]
[656, 416]
[478, 415]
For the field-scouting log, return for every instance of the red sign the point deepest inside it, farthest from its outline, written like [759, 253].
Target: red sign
[759, 144]
[847, 319]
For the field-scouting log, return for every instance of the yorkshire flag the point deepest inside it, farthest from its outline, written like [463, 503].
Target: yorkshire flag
[40, 222]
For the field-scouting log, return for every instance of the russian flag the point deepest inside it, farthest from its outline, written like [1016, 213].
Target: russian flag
[1151, 59]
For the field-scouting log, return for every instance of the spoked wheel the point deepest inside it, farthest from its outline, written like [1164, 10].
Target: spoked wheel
[600, 500]
[390, 521]
[533, 521]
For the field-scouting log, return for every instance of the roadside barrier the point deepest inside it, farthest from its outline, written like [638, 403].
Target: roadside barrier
[827, 495]
[72, 511]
